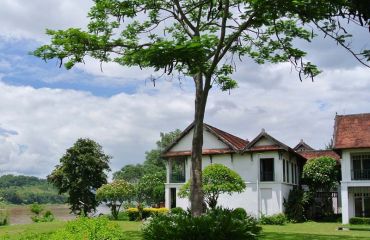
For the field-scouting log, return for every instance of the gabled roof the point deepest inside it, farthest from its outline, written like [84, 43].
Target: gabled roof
[319, 153]
[352, 131]
[276, 146]
[302, 146]
[233, 142]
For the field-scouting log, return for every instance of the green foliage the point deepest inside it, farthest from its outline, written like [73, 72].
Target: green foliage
[130, 173]
[26, 190]
[296, 205]
[177, 210]
[359, 220]
[36, 208]
[153, 163]
[276, 219]
[320, 173]
[240, 213]
[217, 179]
[136, 214]
[89, 228]
[81, 172]
[217, 224]
[150, 188]
[115, 194]
[4, 217]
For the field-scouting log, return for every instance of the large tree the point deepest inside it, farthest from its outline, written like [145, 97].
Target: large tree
[199, 39]
[82, 170]
[153, 163]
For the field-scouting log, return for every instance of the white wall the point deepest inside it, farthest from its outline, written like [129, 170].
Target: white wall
[209, 142]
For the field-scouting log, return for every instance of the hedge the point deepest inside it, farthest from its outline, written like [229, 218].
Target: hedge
[359, 220]
[134, 215]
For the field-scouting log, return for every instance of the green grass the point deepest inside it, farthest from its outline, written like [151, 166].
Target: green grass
[312, 231]
[304, 231]
[132, 229]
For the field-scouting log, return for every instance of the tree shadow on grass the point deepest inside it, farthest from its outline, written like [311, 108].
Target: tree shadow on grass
[302, 236]
[133, 235]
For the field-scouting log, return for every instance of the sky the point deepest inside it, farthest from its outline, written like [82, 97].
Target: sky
[44, 109]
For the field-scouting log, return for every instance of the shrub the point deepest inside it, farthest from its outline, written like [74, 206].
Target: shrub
[359, 220]
[276, 219]
[89, 228]
[48, 216]
[36, 208]
[134, 214]
[240, 213]
[177, 210]
[3, 217]
[216, 224]
[295, 206]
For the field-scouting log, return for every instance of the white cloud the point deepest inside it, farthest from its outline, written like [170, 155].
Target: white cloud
[49, 120]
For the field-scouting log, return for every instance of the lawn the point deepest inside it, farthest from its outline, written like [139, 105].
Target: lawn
[309, 230]
[312, 231]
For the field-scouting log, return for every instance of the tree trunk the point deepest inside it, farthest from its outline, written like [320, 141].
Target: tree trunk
[196, 193]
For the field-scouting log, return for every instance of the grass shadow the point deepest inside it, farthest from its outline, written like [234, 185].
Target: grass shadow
[301, 236]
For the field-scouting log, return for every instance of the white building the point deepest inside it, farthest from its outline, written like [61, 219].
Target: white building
[269, 168]
[352, 142]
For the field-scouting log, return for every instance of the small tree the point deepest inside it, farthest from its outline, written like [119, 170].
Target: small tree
[217, 179]
[81, 172]
[321, 174]
[115, 194]
[150, 188]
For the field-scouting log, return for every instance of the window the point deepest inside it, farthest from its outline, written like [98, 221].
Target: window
[362, 205]
[267, 169]
[360, 166]
[297, 173]
[177, 170]
[283, 170]
[293, 177]
[287, 171]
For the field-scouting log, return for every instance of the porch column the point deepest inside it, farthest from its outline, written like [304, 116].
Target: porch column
[169, 168]
[345, 202]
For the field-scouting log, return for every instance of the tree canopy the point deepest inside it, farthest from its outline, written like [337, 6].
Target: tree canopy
[203, 40]
[217, 179]
[82, 170]
[115, 194]
[321, 173]
[150, 188]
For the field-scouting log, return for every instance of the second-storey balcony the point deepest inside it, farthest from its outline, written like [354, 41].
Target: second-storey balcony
[360, 174]
[177, 177]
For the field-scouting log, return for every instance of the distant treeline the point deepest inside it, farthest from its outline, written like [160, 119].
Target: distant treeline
[27, 190]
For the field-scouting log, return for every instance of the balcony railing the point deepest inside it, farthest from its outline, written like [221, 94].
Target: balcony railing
[361, 174]
[177, 178]
[267, 176]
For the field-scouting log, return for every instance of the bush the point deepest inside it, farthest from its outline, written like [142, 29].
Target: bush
[3, 217]
[48, 216]
[36, 208]
[89, 228]
[217, 224]
[295, 206]
[134, 214]
[359, 220]
[276, 219]
[240, 213]
[177, 210]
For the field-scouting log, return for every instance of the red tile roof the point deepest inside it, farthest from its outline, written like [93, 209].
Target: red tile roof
[319, 153]
[352, 131]
[233, 141]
